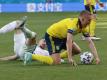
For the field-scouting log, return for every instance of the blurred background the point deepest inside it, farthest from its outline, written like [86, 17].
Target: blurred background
[45, 5]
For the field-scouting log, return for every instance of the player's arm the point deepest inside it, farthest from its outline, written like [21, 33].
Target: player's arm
[69, 48]
[93, 49]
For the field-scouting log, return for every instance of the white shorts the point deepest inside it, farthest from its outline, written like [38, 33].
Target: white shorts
[41, 51]
[19, 42]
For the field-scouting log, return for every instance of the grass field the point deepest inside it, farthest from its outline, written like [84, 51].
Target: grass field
[39, 22]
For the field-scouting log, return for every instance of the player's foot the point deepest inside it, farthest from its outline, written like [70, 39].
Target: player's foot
[95, 38]
[92, 38]
[22, 21]
[82, 38]
[34, 35]
[62, 60]
[27, 58]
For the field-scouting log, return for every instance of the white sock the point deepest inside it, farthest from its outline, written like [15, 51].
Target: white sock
[9, 27]
[28, 33]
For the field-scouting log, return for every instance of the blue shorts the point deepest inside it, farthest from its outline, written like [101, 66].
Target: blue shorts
[54, 45]
[90, 9]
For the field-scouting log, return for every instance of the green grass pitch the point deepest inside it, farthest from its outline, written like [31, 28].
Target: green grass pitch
[39, 22]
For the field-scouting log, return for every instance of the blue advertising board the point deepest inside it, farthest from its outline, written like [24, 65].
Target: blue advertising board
[47, 7]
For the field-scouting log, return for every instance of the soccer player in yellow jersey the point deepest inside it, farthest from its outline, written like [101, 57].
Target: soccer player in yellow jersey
[90, 6]
[60, 36]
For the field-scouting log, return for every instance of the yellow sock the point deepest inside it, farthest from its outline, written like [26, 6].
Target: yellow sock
[41, 58]
[64, 54]
[92, 27]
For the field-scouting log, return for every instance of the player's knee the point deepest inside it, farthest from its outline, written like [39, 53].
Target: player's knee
[76, 52]
[56, 58]
[79, 51]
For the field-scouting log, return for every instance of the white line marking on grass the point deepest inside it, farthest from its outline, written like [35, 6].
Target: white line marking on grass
[102, 23]
[102, 27]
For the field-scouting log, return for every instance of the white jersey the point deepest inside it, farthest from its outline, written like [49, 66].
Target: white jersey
[39, 50]
[20, 48]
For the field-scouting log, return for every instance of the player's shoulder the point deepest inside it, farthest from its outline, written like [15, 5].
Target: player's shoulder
[74, 20]
[70, 19]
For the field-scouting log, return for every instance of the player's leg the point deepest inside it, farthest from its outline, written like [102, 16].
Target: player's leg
[9, 58]
[8, 27]
[12, 25]
[27, 32]
[42, 58]
[92, 27]
[19, 42]
[30, 36]
[75, 49]
[53, 49]
[93, 21]
[64, 54]
[28, 57]
[30, 44]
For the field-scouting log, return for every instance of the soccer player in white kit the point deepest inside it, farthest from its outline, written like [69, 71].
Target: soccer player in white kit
[25, 43]
[21, 40]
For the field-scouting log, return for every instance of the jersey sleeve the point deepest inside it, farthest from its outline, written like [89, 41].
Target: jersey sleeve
[71, 26]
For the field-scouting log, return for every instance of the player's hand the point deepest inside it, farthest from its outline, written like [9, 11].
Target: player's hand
[71, 61]
[97, 60]
[101, 4]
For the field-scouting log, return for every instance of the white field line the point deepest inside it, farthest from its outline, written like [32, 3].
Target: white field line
[102, 23]
[102, 27]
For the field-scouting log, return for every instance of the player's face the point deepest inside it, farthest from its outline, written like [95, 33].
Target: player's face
[42, 43]
[86, 21]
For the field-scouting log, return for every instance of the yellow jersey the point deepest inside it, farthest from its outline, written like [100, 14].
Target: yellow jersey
[93, 2]
[61, 28]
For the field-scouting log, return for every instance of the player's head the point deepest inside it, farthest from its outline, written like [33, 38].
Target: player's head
[85, 18]
[42, 43]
